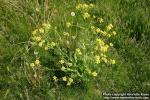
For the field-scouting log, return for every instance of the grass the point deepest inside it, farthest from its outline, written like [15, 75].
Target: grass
[18, 18]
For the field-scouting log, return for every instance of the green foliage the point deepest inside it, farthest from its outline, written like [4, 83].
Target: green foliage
[74, 52]
[131, 45]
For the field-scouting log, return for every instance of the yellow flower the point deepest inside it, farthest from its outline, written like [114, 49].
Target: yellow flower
[69, 64]
[34, 32]
[61, 61]
[86, 15]
[114, 33]
[99, 41]
[41, 30]
[78, 51]
[97, 59]
[89, 71]
[53, 44]
[36, 53]
[68, 83]
[102, 54]
[94, 16]
[66, 33]
[54, 78]
[35, 75]
[37, 9]
[32, 64]
[38, 38]
[37, 62]
[111, 44]
[108, 35]
[109, 27]
[46, 26]
[104, 59]
[78, 6]
[103, 33]
[64, 78]
[92, 27]
[85, 6]
[46, 48]
[104, 48]
[113, 61]
[70, 80]
[63, 68]
[68, 24]
[40, 44]
[98, 30]
[101, 20]
[91, 5]
[94, 74]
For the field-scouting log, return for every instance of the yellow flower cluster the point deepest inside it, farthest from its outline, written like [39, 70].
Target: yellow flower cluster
[100, 42]
[111, 44]
[64, 78]
[97, 59]
[35, 63]
[70, 80]
[66, 33]
[112, 61]
[104, 33]
[84, 6]
[98, 30]
[61, 61]
[32, 64]
[50, 45]
[114, 33]
[104, 59]
[104, 48]
[41, 30]
[68, 24]
[92, 27]
[109, 27]
[54, 78]
[94, 74]
[37, 37]
[34, 32]
[41, 43]
[78, 51]
[100, 20]
[91, 50]
[46, 26]
[86, 15]
[63, 68]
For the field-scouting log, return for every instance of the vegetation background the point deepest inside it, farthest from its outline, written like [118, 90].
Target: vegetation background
[131, 19]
